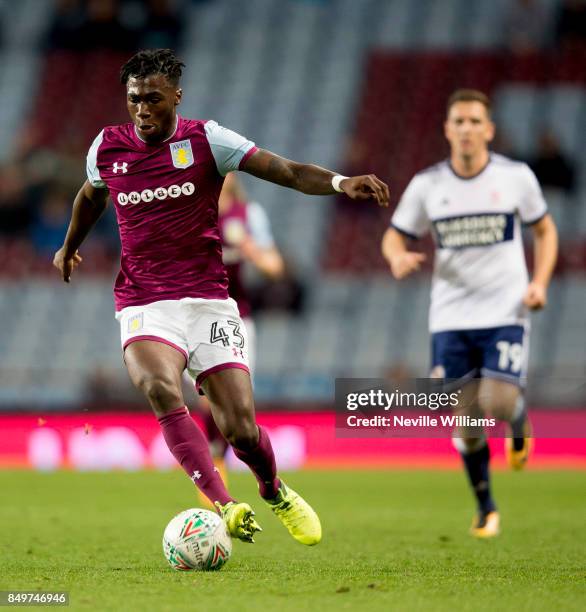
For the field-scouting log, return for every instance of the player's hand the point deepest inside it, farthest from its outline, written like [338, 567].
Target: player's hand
[405, 263]
[66, 264]
[535, 296]
[367, 187]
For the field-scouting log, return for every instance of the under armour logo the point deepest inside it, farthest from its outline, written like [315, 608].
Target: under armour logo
[237, 352]
[196, 475]
[123, 166]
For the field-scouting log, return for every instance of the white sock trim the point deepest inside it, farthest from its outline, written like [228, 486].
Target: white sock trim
[519, 408]
[467, 449]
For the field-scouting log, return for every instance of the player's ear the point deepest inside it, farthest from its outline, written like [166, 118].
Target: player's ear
[178, 95]
[490, 131]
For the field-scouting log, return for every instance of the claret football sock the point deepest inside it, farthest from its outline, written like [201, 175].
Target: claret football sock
[261, 460]
[189, 446]
[216, 440]
[476, 463]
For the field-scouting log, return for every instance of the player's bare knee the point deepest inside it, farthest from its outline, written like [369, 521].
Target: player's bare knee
[498, 399]
[163, 394]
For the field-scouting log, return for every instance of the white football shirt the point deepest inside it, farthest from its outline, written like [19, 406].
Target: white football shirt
[480, 275]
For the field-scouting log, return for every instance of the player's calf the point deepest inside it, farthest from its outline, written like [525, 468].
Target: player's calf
[230, 395]
[505, 402]
[242, 435]
[232, 405]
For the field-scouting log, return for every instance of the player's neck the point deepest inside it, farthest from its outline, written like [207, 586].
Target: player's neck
[467, 167]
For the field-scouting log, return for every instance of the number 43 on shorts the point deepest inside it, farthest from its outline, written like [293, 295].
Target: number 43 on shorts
[232, 337]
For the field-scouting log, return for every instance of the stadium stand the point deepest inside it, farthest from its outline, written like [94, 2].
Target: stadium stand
[337, 83]
[19, 64]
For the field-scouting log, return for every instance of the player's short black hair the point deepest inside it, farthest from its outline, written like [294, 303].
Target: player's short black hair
[469, 95]
[152, 61]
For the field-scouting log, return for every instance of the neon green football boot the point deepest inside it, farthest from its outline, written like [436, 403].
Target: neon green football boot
[239, 519]
[297, 515]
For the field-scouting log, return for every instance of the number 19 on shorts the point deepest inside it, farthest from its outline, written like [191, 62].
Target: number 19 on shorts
[510, 356]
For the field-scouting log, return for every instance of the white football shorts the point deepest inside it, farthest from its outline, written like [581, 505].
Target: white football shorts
[251, 336]
[209, 333]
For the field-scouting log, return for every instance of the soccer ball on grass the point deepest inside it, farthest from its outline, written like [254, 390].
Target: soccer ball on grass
[197, 539]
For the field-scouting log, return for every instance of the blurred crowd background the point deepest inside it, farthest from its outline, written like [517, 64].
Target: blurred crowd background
[354, 85]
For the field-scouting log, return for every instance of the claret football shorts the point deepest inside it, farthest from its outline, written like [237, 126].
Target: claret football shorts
[209, 333]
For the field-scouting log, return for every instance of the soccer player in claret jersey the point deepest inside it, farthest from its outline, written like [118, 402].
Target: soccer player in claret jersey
[164, 174]
[474, 203]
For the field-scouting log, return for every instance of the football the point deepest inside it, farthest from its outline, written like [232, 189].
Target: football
[197, 539]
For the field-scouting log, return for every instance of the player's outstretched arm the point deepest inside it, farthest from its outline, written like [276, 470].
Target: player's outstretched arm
[90, 202]
[402, 261]
[312, 179]
[267, 260]
[545, 237]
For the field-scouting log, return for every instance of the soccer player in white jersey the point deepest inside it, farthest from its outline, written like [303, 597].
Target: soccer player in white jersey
[474, 204]
[164, 174]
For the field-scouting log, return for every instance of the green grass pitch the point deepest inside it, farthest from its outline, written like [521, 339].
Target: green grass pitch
[393, 540]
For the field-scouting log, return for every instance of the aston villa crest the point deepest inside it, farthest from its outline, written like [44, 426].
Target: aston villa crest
[181, 154]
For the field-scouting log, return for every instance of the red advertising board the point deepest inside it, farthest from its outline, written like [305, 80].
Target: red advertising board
[102, 441]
